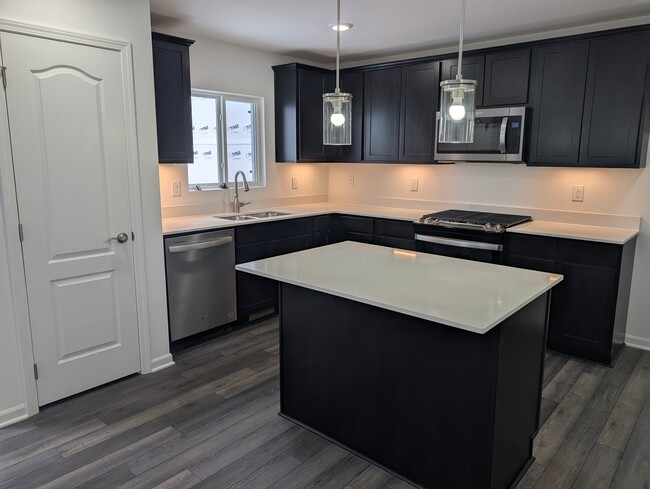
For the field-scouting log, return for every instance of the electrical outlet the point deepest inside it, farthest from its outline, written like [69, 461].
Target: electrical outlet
[351, 181]
[176, 188]
[578, 193]
[414, 184]
[294, 182]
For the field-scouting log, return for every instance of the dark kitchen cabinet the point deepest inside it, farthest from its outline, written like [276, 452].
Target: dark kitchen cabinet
[394, 233]
[473, 69]
[589, 308]
[617, 80]
[257, 295]
[381, 114]
[419, 103]
[299, 93]
[171, 69]
[352, 228]
[506, 78]
[559, 74]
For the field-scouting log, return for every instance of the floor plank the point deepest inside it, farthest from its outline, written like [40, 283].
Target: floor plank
[210, 422]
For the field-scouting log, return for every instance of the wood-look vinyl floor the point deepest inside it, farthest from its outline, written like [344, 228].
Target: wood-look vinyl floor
[211, 422]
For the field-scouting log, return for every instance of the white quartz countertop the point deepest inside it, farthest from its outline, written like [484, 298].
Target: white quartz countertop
[605, 234]
[459, 293]
[602, 234]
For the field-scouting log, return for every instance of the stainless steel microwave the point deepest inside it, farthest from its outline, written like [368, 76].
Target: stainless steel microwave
[498, 137]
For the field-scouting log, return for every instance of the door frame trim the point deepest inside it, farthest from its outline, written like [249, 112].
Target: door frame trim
[11, 216]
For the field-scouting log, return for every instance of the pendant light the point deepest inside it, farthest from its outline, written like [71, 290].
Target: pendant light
[457, 102]
[337, 106]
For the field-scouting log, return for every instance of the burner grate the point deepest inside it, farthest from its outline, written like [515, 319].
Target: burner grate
[489, 220]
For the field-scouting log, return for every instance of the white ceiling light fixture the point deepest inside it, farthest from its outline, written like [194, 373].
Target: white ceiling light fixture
[457, 102]
[337, 106]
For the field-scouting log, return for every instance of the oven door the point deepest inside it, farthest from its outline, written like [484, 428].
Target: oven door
[460, 248]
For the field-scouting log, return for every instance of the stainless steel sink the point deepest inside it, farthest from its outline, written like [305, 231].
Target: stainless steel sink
[253, 216]
[265, 214]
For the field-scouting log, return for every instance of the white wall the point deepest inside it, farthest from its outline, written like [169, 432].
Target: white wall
[624, 192]
[126, 20]
[228, 68]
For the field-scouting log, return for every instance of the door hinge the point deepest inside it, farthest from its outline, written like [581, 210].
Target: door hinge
[3, 72]
[36, 371]
[20, 233]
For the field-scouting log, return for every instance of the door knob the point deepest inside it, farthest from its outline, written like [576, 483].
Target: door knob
[120, 238]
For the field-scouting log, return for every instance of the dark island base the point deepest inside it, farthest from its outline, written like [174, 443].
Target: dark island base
[436, 405]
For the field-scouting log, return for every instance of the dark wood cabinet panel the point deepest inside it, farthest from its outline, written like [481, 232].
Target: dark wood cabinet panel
[559, 73]
[381, 114]
[588, 312]
[173, 92]
[419, 103]
[357, 224]
[298, 99]
[394, 228]
[473, 69]
[614, 101]
[506, 78]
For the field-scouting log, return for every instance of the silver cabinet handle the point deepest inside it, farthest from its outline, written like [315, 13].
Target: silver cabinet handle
[120, 238]
[477, 245]
[200, 246]
[502, 135]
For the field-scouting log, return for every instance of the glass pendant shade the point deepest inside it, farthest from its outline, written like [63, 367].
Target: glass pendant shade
[337, 119]
[457, 104]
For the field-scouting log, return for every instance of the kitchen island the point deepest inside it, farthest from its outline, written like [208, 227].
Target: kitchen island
[428, 366]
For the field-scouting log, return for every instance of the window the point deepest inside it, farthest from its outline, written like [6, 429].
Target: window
[227, 134]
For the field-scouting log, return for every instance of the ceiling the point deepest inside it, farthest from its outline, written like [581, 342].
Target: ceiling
[299, 28]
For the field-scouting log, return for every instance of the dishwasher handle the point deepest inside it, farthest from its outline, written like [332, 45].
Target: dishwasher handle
[200, 246]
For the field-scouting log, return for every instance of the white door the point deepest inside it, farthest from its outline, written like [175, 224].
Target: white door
[66, 108]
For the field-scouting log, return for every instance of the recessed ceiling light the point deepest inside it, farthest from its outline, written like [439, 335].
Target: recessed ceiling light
[343, 26]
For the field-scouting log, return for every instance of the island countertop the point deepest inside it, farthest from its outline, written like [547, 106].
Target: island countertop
[459, 293]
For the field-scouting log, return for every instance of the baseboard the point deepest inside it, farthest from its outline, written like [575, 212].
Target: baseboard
[13, 415]
[162, 362]
[637, 342]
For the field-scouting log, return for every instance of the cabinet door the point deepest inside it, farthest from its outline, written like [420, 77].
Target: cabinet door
[171, 71]
[381, 114]
[420, 87]
[614, 100]
[255, 293]
[311, 87]
[352, 82]
[506, 78]
[582, 311]
[559, 75]
[473, 69]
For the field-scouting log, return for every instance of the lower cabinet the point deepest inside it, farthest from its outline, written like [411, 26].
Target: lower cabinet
[589, 308]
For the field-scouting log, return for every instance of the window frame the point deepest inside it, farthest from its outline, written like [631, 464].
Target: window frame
[258, 149]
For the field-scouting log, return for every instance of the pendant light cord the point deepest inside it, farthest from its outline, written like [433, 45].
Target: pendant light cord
[459, 76]
[338, 42]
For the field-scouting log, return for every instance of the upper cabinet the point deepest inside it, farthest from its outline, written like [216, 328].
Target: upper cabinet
[171, 68]
[558, 87]
[506, 78]
[351, 82]
[614, 101]
[381, 114]
[419, 103]
[473, 69]
[299, 93]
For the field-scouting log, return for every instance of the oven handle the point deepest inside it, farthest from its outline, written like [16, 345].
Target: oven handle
[502, 135]
[460, 243]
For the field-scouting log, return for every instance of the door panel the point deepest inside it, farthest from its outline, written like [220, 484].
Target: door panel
[67, 119]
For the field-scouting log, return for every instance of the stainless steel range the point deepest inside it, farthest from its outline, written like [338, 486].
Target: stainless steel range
[471, 235]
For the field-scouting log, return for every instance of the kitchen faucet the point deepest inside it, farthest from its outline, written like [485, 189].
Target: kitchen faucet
[236, 205]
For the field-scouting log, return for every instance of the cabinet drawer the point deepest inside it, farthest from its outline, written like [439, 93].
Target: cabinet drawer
[394, 228]
[322, 223]
[268, 231]
[603, 254]
[402, 243]
[532, 246]
[358, 237]
[538, 264]
[357, 224]
[257, 251]
[289, 245]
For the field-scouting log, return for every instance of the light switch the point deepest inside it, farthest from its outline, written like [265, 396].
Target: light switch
[351, 181]
[578, 193]
[294, 182]
[176, 188]
[414, 184]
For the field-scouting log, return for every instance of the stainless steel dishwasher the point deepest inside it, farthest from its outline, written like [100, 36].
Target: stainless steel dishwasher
[201, 291]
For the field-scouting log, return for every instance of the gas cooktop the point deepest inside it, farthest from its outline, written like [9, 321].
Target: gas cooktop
[482, 221]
